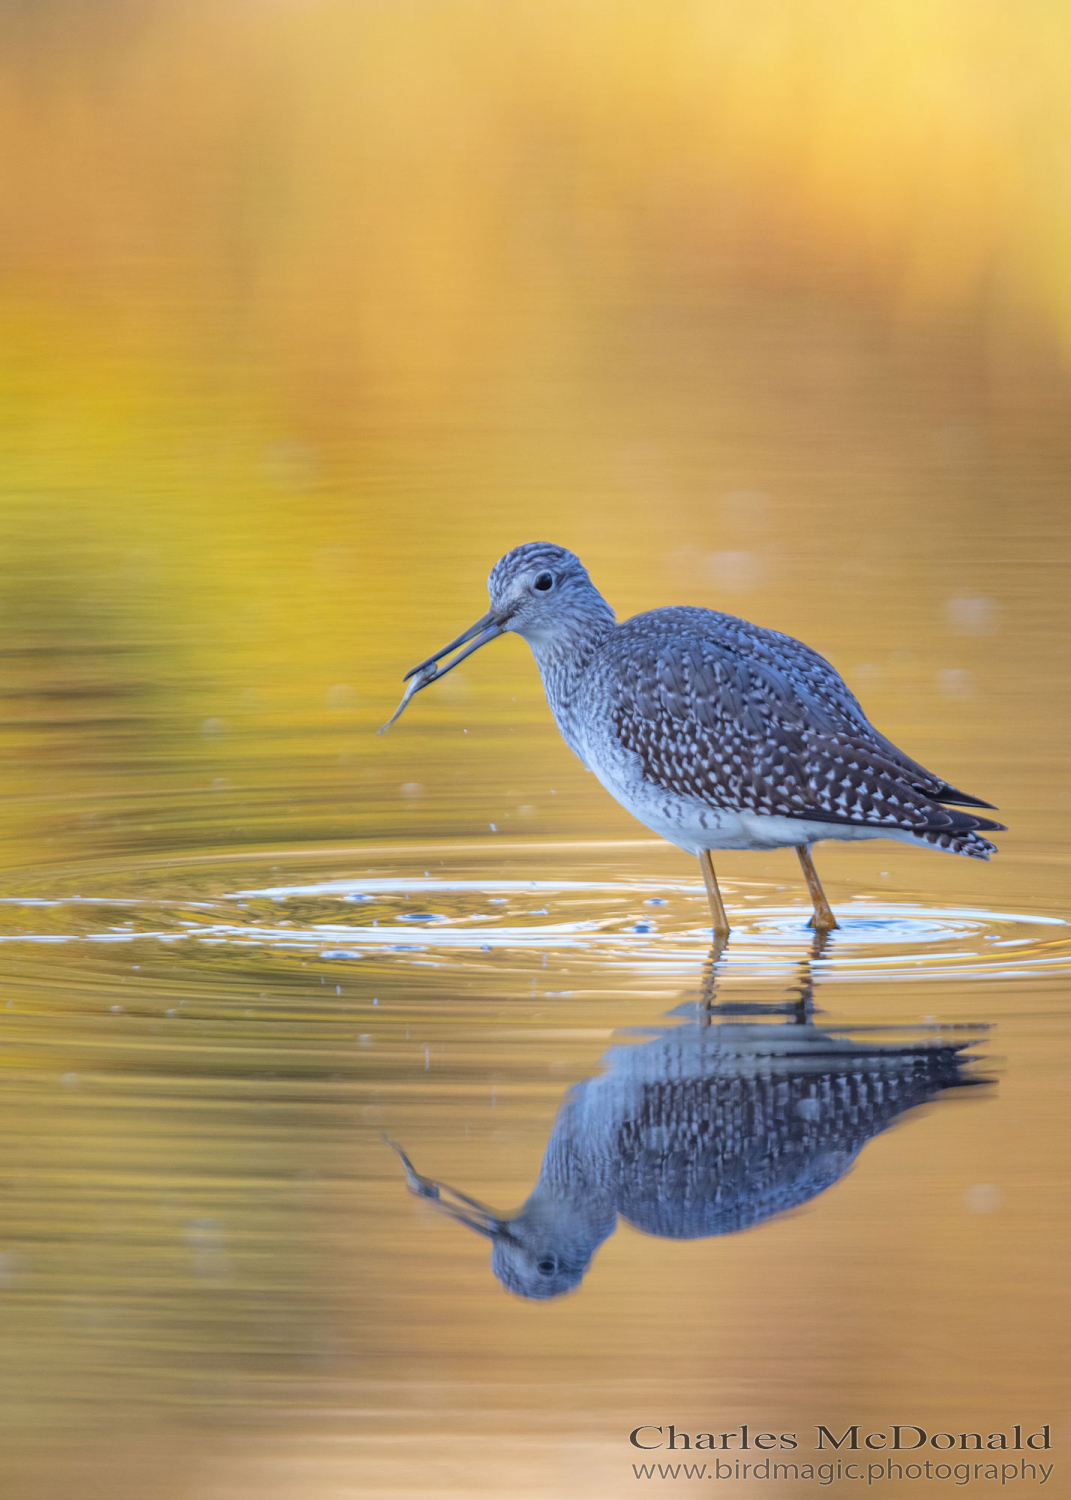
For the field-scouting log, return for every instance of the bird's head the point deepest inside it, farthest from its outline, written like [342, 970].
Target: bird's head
[537, 1266]
[538, 591]
[542, 1251]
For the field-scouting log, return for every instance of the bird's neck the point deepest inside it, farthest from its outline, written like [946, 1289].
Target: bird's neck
[563, 657]
[574, 1194]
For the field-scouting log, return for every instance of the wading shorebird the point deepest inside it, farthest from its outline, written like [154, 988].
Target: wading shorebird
[714, 733]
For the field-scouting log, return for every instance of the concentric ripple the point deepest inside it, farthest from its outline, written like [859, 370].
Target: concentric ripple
[644, 925]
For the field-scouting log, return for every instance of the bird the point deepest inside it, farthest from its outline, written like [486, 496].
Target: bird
[715, 733]
[706, 1129]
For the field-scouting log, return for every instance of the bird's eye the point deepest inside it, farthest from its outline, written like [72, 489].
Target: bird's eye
[547, 1267]
[543, 582]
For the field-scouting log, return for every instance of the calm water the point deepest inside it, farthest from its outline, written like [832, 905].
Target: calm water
[292, 354]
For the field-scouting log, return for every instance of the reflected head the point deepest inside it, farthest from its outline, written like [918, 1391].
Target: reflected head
[535, 1271]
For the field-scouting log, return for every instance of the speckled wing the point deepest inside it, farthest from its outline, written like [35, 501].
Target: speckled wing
[748, 719]
[716, 1154]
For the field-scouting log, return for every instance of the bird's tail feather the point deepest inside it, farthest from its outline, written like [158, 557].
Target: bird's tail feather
[969, 842]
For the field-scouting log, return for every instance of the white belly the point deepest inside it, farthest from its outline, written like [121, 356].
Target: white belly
[693, 825]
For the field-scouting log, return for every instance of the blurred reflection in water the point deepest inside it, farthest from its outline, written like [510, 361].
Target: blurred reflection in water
[710, 1127]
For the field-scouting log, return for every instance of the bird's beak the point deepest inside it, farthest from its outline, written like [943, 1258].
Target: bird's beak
[458, 1205]
[484, 630]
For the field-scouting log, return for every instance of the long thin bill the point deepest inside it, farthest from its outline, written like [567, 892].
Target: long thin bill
[484, 630]
[458, 1205]
[482, 624]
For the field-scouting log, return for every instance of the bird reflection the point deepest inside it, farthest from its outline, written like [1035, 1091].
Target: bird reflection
[710, 1127]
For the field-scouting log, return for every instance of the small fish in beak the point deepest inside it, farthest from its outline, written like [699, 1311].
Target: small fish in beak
[423, 677]
[484, 630]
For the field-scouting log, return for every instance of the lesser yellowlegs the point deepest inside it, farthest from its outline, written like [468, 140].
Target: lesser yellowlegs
[715, 733]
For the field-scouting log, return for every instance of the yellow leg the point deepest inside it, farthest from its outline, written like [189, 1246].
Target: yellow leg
[823, 919]
[717, 905]
[708, 992]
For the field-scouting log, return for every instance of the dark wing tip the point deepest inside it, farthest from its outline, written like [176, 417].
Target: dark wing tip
[946, 793]
[954, 821]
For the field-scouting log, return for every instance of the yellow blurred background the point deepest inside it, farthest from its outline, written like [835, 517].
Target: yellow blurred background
[309, 310]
